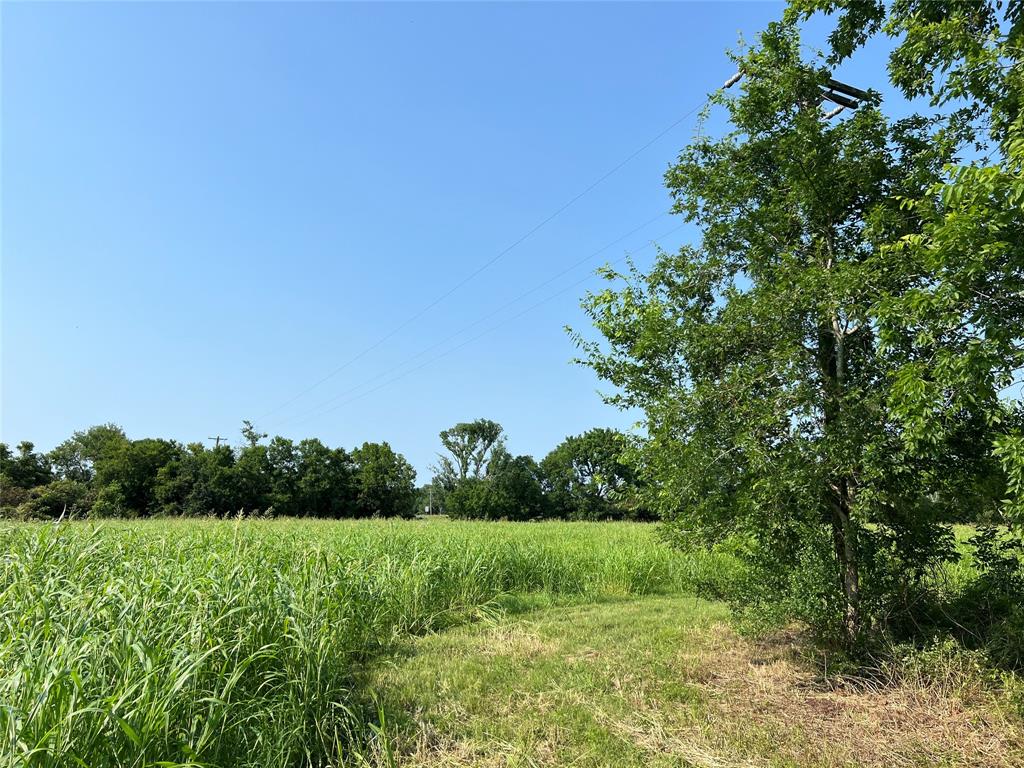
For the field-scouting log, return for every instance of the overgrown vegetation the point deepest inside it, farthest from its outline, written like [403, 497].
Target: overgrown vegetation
[238, 643]
[830, 440]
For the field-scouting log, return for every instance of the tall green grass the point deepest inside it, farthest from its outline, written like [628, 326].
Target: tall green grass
[239, 643]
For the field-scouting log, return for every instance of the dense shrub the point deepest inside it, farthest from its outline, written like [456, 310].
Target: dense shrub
[511, 490]
[60, 498]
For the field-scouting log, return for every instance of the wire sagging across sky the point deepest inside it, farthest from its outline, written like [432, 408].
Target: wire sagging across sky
[318, 413]
[456, 286]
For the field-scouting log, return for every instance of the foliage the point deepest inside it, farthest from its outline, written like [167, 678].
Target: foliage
[772, 401]
[955, 332]
[511, 490]
[25, 470]
[198, 482]
[76, 457]
[56, 499]
[133, 467]
[588, 479]
[471, 446]
[99, 472]
[110, 502]
[386, 482]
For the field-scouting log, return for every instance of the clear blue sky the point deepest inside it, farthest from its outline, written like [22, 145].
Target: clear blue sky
[207, 208]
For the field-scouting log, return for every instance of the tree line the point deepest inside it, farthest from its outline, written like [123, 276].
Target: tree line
[100, 472]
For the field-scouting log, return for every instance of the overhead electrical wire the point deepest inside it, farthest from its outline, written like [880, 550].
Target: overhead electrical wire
[469, 341]
[319, 410]
[479, 320]
[411, 319]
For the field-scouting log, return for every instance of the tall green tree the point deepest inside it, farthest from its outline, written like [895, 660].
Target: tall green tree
[327, 484]
[25, 469]
[755, 356]
[199, 482]
[510, 490]
[74, 459]
[587, 478]
[386, 482]
[471, 446]
[956, 330]
[131, 471]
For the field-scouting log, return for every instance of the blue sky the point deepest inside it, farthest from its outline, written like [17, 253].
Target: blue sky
[208, 208]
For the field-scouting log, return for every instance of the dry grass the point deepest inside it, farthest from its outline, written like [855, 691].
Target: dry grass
[644, 683]
[769, 689]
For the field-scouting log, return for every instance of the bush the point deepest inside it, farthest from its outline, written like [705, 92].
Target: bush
[12, 497]
[511, 491]
[110, 502]
[67, 498]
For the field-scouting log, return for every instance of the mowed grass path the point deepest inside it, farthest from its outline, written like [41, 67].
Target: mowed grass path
[662, 681]
[240, 643]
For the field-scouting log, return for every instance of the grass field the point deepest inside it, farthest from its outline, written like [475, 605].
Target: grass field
[294, 643]
[237, 643]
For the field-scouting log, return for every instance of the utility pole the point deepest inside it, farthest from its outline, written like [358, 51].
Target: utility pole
[216, 440]
[846, 96]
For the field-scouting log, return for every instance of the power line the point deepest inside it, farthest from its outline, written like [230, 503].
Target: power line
[484, 266]
[469, 341]
[479, 320]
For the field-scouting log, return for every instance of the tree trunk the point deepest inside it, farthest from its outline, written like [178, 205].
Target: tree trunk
[840, 488]
[844, 538]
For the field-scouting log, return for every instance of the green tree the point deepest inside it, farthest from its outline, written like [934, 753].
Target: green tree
[511, 490]
[283, 466]
[199, 482]
[74, 459]
[587, 479]
[254, 479]
[327, 484]
[957, 330]
[25, 470]
[516, 488]
[471, 446]
[386, 482]
[755, 357]
[251, 434]
[132, 468]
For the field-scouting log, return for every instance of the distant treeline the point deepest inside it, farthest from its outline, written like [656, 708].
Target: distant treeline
[100, 472]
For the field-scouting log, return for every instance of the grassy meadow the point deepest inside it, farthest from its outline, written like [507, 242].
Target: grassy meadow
[173, 642]
[281, 643]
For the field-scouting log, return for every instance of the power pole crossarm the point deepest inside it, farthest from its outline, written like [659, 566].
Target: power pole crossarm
[849, 90]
